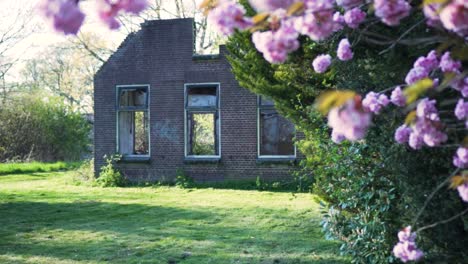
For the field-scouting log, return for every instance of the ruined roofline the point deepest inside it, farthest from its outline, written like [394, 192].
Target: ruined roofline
[156, 23]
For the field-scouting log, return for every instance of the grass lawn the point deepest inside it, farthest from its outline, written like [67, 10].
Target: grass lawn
[15, 168]
[45, 219]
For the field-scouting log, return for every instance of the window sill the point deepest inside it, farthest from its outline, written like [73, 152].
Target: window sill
[276, 160]
[209, 160]
[135, 159]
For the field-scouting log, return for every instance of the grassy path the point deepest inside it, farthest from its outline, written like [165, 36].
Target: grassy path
[43, 219]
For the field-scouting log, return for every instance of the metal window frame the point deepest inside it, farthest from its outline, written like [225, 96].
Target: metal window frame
[259, 141]
[146, 109]
[215, 110]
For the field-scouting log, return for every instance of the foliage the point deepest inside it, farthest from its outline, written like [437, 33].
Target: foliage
[373, 188]
[156, 225]
[31, 167]
[109, 175]
[33, 128]
[183, 180]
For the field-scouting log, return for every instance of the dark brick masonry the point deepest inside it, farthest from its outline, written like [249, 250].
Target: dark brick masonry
[161, 55]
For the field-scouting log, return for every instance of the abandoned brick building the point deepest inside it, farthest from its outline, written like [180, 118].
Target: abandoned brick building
[165, 109]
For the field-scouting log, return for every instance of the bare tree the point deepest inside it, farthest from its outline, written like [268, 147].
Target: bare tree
[66, 70]
[11, 34]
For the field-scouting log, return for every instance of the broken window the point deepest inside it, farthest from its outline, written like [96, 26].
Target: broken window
[275, 132]
[133, 120]
[202, 120]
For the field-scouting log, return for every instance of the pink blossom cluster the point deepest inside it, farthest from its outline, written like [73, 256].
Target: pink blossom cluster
[275, 45]
[460, 159]
[391, 11]
[397, 97]
[463, 191]
[354, 17]
[228, 16]
[317, 25]
[374, 102]
[321, 63]
[67, 17]
[461, 110]
[406, 249]
[453, 16]
[349, 4]
[270, 5]
[426, 130]
[422, 67]
[349, 121]
[108, 10]
[344, 51]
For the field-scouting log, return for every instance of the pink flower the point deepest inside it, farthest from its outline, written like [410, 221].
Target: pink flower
[337, 138]
[402, 134]
[406, 249]
[462, 86]
[431, 11]
[461, 110]
[397, 97]
[374, 102]
[463, 191]
[348, 4]
[108, 10]
[319, 5]
[426, 129]
[354, 17]
[349, 120]
[316, 25]
[416, 74]
[339, 21]
[460, 159]
[133, 6]
[447, 64]
[228, 16]
[454, 17]
[275, 45]
[270, 5]
[344, 51]
[391, 11]
[321, 63]
[66, 16]
[430, 62]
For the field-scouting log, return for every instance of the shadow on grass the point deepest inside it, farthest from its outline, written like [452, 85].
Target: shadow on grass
[137, 233]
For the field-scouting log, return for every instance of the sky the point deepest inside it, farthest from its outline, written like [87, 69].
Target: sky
[14, 11]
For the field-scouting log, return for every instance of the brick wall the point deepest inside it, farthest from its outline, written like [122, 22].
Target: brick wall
[161, 55]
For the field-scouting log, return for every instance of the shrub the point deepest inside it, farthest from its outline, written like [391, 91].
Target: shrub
[110, 176]
[183, 180]
[44, 130]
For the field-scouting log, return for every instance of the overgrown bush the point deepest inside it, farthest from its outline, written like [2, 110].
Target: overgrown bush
[109, 175]
[373, 188]
[182, 180]
[33, 128]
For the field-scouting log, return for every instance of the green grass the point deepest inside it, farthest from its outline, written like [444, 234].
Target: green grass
[19, 168]
[44, 219]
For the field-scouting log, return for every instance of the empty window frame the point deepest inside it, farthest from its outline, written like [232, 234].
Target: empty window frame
[275, 133]
[133, 135]
[202, 120]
